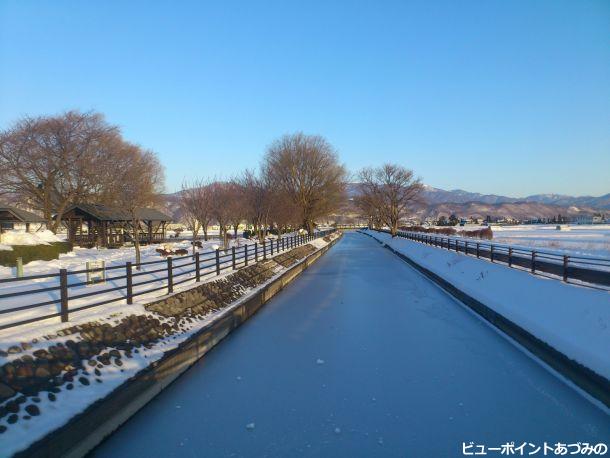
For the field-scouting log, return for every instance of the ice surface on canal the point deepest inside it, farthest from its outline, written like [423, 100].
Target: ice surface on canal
[407, 372]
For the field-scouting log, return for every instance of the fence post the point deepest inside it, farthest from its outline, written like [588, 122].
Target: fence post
[491, 253]
[246, 254]
[510, 256]
[170, 275]
[233, 257]
[478, 249]
[217, 261]
[271, 247]
[533, 262]
[264, 251]
[63, 288]
[129, 283]
[19, 267]
[466, 248]
[565, 268]
[255, 251]
[197, 268]
[283, 244]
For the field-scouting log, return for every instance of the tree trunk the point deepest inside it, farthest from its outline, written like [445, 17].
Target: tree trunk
[223, 236]
[136, 241]
[194, 238]
[309, 226]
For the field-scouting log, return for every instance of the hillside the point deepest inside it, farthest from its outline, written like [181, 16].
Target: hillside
[516, 210]
[437, 196]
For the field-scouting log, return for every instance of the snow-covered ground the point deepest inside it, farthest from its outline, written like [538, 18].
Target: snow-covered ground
[115, 262]
[591, 240]
[574, 320]
[10, 238]
[70, 402]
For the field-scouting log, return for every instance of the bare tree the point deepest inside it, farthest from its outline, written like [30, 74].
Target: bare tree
[190, 203]
[220, 194]
[51, 162]
[139, 185]
[284, 213]
[196, 206]
[257, 201]
[386, 193]
[307, 169]
[369, 207]
[236, 205]
[204, 216]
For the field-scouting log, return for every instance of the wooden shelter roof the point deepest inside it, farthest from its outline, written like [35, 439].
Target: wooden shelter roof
[107, 213]
[17, 215]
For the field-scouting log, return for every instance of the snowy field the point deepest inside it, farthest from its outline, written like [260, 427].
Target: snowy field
[76, 260]
[589, 240]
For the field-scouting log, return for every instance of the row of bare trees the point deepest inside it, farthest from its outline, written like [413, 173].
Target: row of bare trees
[300, 181]
[51, 162]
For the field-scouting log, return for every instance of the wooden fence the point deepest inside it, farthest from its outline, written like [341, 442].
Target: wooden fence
[131, 279]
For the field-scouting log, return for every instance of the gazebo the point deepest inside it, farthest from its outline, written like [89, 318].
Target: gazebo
[111, 226]
[11, 216]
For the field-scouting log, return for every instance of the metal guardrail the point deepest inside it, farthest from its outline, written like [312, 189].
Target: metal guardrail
[591, 271]
[210, 263]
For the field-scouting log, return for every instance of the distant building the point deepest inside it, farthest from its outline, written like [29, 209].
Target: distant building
[597, 218]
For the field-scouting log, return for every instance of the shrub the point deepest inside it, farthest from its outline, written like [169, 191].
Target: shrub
[29, 253]
[430, 230]
[485, 233]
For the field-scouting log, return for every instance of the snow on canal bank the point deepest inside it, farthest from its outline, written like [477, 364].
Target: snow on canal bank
[572, 319]
[27, 418]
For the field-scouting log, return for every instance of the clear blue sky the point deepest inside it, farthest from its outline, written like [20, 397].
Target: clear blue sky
[495, 96]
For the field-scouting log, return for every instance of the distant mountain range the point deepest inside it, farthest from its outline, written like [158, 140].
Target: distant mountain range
[438, 202]
[433, 196]
[459, 196]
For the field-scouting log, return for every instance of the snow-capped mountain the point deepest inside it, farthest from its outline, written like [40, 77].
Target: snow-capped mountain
[459, 196]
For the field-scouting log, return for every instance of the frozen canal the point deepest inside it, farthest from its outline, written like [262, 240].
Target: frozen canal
[361, 356]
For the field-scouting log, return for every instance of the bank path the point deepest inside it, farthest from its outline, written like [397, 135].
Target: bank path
[360, 356]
